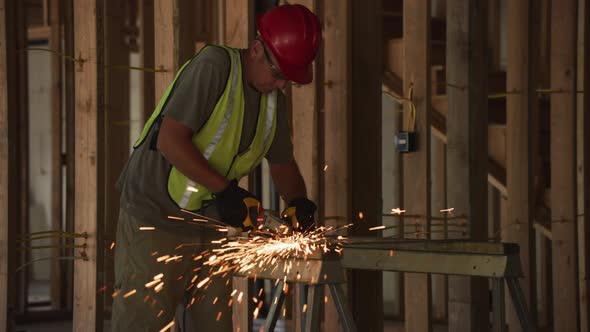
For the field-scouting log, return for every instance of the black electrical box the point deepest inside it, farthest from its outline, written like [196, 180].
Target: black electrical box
[405, 141]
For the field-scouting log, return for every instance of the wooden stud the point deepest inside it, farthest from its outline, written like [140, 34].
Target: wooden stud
[19, 169]
[438, 202]
[239, 32]
[239, 27]
[5, 105]
[167, 52]
[563, 165]
[70, 101]
[242, 312]
[88, 22]
[584, 140]
[416, 165]
[56, 151]
[304, 120]
[467, 150]
[365, 287]
[335, 174]
[148, 104]
[520, 139]
[115, 130]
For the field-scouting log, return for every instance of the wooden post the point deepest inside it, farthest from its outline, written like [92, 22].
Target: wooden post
[19, 150]
[115, 131]
[7, 75]
[167, 52]
[584, 140]
[239, 27]
[467, 150]
[416, 165]
[520, 139]
[336, 134]
[55, 39]
[304, 119]
[148, 104]
[563, 165]
[366, 287]
[239, 32]
[88, 22]
[70, 109]
[439, 202]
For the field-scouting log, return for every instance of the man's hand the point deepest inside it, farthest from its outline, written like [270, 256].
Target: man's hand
[301, 214]
[237, 207]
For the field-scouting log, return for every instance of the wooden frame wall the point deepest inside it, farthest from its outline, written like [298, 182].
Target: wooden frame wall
[521, 134]
[416, 165]
[467, 149]
[563, 165]
[88, 23]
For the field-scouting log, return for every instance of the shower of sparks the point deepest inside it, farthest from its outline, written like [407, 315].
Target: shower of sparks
[262, 251]
[376, 228]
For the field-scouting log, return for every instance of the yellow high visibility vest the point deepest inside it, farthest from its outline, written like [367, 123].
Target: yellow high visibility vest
[219, 139]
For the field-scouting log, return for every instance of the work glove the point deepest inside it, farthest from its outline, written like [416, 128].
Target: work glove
[237, 207]
[300, 214]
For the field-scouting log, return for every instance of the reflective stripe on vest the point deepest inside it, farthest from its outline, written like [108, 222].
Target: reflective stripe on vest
[191, 185]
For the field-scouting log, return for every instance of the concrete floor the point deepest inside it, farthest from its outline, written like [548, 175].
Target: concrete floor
[66, 326]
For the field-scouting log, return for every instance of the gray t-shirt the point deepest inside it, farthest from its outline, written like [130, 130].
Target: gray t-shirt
[143, 183]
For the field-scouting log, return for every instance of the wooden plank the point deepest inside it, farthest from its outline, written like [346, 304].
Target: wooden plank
[438, 202]
[519, 148]
[494, 34]
[242, 312]
[56, 151]
[584, 140]
[88, 23]
[563, 165]
[239, 32]
[20, 153]
[114, 132]
[167, 52]
[5, 105]
[239, 29]
[416, 165]
[467, 150]
[304, 101]
[366, 287]
[336, 125]
[68, 16]
[148, 104]
[304, 120]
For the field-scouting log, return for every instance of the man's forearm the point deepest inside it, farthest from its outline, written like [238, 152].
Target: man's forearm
[288, 180]
[175, 143]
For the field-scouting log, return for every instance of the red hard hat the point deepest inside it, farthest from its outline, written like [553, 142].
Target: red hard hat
[292, 33]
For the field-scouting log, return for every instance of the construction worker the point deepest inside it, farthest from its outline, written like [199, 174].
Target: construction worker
[223, 113]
